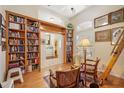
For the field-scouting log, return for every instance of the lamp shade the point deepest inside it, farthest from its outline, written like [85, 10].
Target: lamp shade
[84, 43]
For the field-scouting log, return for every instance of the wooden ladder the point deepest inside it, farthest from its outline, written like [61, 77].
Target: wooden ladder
[114, 57]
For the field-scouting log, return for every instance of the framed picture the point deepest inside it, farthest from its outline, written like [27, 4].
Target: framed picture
[2, 20]
[3, 46]
[103, 36]
[101, 21]
[116, 16]
[3, 32]
[0, 35]
[47, 39]
[43, 41]
[115, 34]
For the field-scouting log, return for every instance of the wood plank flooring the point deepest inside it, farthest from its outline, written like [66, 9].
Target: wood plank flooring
[35, 79]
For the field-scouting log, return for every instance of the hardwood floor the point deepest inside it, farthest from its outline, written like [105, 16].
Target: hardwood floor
[35, 79]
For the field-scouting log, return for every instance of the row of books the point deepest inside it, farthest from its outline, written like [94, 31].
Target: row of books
[16, 26]
[32, 29]
[68, 43]
[32, 55]
[30, 35]
[16, 49]
[15, 34]
[16, 19]
[69, 31]
[69, 35]
[17, 64]
[69, 59]
[13, 65]
[32, 42]
[14, 57]
[31, 48]
[69, 48]
[69, 39]
[16, 42]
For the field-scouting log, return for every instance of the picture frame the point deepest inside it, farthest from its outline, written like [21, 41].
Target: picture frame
[117, 16]
[43, 41]
[2, 20]
[101, 21]
[3, 45]
[115, 34]
[3, 33]
[2, 26]
[103, 36]
[0, 36]
[47, 41]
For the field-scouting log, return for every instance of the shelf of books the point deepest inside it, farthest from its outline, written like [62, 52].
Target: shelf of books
[33, 43]
[69, 45]
[22, 41]
[16, 41]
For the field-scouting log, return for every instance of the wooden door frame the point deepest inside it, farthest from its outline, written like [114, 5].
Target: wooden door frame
[49, 28]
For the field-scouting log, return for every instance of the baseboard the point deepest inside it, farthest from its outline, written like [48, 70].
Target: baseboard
[113, 74]
[116, 75]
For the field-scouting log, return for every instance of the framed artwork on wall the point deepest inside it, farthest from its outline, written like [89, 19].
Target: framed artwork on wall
[0, 36]
[103, 36]
[117, 16]
[115, 34]
[47, 41]
[3, 46]
[101, 21]
[2, 28]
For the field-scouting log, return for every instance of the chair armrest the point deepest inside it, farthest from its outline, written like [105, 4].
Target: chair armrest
[90, 60]
[52, 75]
[87, 64]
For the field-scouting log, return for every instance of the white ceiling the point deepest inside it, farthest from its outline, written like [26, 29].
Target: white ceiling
[65, 10]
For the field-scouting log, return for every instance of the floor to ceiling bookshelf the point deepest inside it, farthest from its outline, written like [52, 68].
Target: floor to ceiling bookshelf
[22, 41]
[69, 45]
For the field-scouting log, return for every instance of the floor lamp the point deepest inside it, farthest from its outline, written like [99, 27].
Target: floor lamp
[84, 43]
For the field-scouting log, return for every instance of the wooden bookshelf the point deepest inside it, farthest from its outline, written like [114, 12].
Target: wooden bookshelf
[28, 38]
[69, 45]
[32, 41]
[22, 41]
[15, 41]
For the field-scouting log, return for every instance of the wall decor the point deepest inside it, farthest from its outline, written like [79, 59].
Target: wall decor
[3, 46]
[101, 21]
[42, 41]
[115, 34]
[2, 26]
[47, 41]
[116, 16]
[103, 36]
[2, 20]
[0, 35]
[3, 33]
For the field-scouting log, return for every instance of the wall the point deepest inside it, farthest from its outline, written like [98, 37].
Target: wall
[2, 55]
[84, 27]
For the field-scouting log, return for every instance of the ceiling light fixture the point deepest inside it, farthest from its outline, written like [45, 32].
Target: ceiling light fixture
[51, 19]
[72, 10]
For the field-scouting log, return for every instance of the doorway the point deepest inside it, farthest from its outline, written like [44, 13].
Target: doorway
[52, 47]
